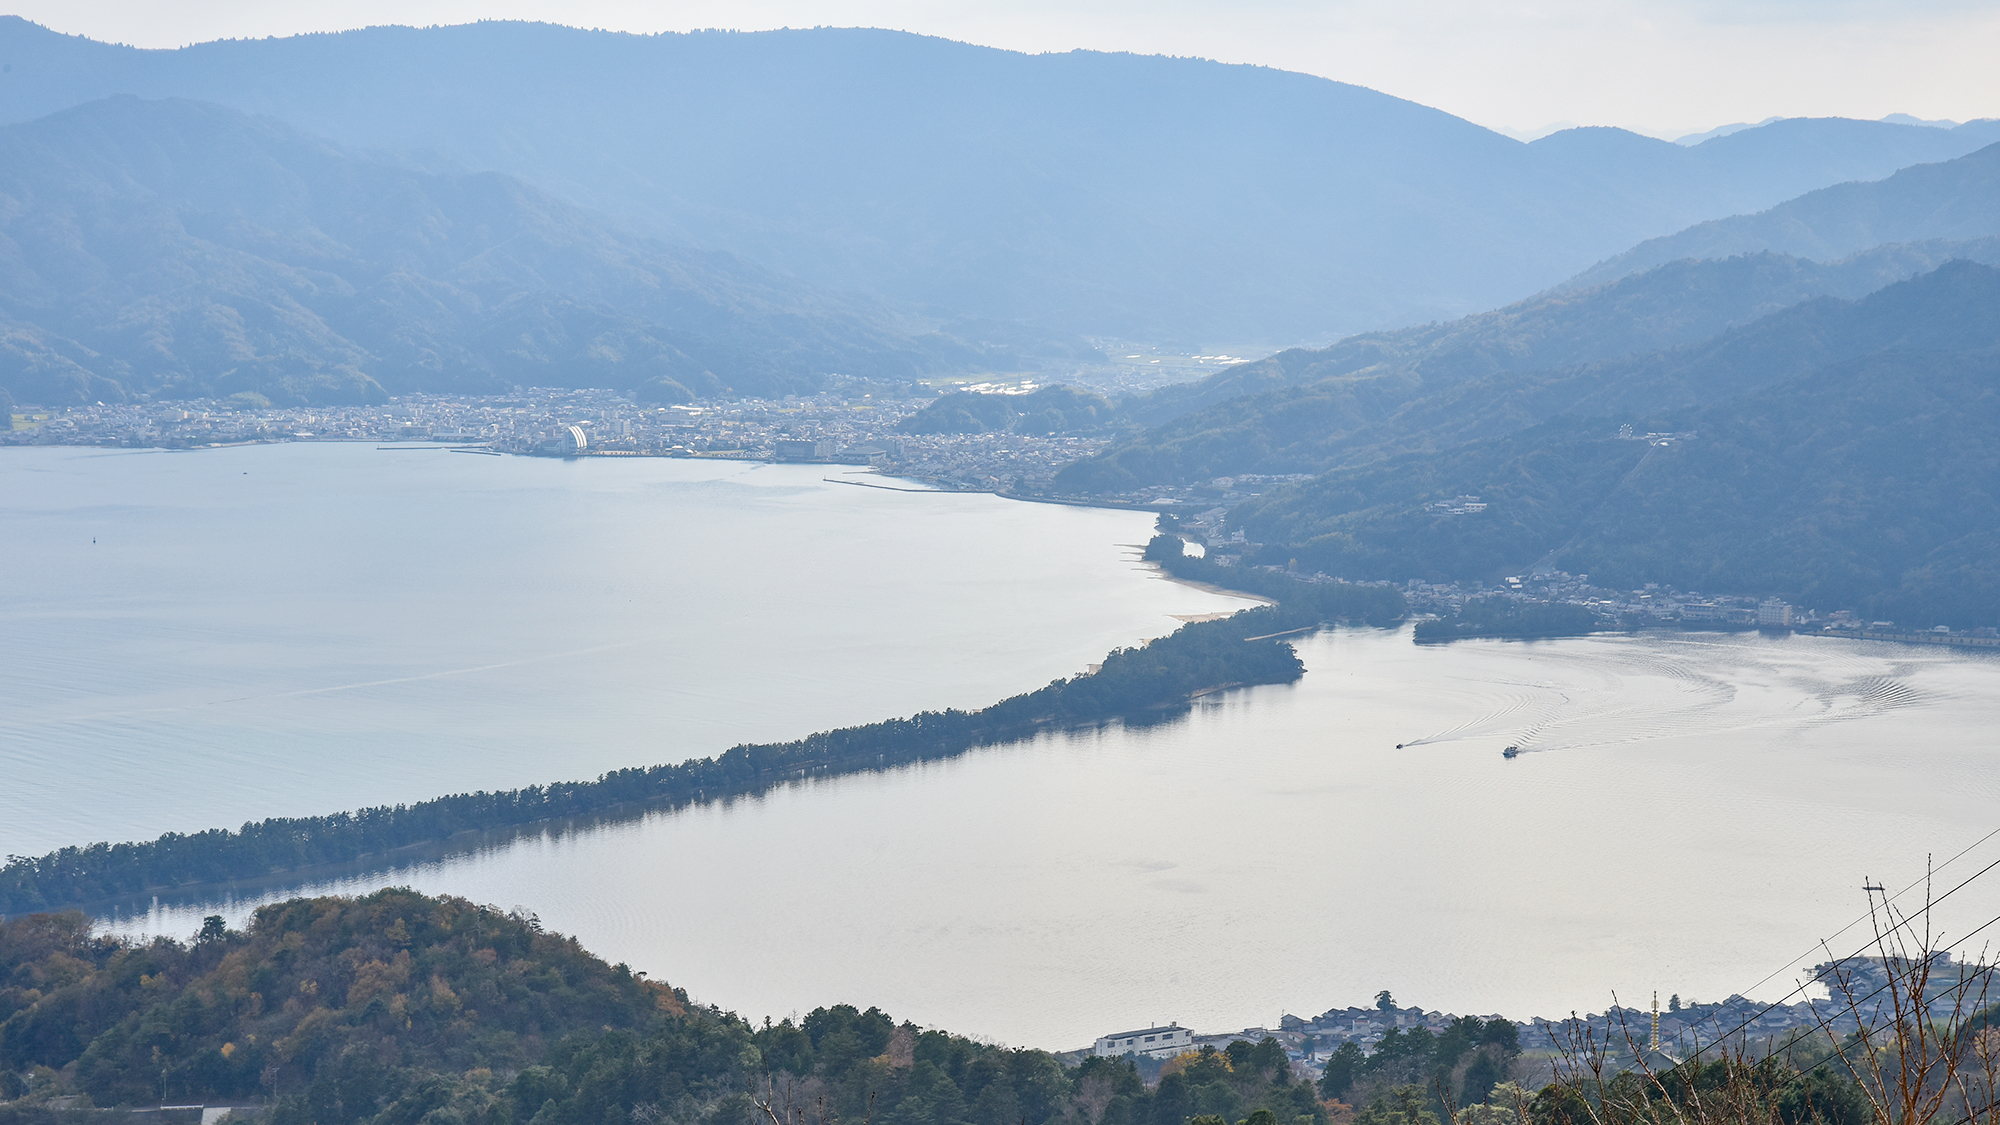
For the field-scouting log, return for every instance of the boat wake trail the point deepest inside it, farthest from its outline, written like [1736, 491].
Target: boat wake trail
[1489, 723]
[1619, 695]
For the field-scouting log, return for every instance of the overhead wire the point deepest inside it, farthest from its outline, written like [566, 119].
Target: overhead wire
[1907, 919]
[1914, 884]
[1964, 982]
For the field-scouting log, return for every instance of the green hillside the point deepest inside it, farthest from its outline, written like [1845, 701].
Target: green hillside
[338, 1005]
[1871, 483]
[399, 1008]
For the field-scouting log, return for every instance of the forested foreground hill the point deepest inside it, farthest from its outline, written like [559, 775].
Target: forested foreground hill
[1872, 483]
[182, 249]
[338, 1005]
[399, 1008]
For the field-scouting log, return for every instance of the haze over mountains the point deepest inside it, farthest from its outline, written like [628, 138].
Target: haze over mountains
[1838, 453]
[1676, 335]
[1170, 199]
[1836, 418]
[1952, 200]
[182, 249]
[337, 218]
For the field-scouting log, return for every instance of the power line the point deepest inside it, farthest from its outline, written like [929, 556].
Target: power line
[1963, 983]
[1863, 918]
[1907, 919]
[1838, 1053]
[1800, 987]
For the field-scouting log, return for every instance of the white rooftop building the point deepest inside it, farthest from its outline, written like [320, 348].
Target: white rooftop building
[1155, 1042]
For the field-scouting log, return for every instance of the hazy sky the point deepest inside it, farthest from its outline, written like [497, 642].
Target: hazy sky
[1659, 66]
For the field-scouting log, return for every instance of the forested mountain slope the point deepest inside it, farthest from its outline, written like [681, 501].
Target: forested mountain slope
[1954, 199]
[334, 1005]
[1173, 199]
[1611, 347]
[1870, 481]
[397, 1008]
[184, 249]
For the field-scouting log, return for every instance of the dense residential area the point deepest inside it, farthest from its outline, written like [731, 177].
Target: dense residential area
[829, 427]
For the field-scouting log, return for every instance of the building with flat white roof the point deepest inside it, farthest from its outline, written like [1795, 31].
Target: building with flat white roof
[1155, 1042]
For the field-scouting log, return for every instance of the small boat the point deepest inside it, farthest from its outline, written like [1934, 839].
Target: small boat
[1511, 751]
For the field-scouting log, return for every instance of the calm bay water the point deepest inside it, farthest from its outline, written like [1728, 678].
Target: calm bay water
[199, 639]
[1693, 811]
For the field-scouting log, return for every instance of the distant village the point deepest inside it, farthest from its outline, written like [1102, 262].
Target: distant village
[848, 427]
[854, 432]
[1652, 605]
[1660, 605]
[1848, 991]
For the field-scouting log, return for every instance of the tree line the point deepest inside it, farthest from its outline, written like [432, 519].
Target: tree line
[1465, 1062]
[1299, 602]
[1506, 617]
[1154, 679]
[398, 1008]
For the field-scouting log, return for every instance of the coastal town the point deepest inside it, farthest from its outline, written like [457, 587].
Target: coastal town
[1656, 605]
[849, 426]
[1652, 606]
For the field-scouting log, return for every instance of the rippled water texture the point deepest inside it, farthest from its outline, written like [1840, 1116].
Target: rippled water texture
[1691, 813]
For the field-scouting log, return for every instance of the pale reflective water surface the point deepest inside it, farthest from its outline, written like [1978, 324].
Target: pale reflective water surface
[1692, 813]
[190, 640]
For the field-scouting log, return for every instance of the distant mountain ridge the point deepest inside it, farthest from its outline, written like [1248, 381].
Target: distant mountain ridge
[183, 249]
[1751, 169]
[1428, 388]
[1171, 199]
[1952, 200]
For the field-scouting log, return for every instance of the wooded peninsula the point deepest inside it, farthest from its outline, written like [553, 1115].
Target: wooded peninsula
[1151, 681]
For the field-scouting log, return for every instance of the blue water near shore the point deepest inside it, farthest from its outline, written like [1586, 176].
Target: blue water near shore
[1691, 812]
